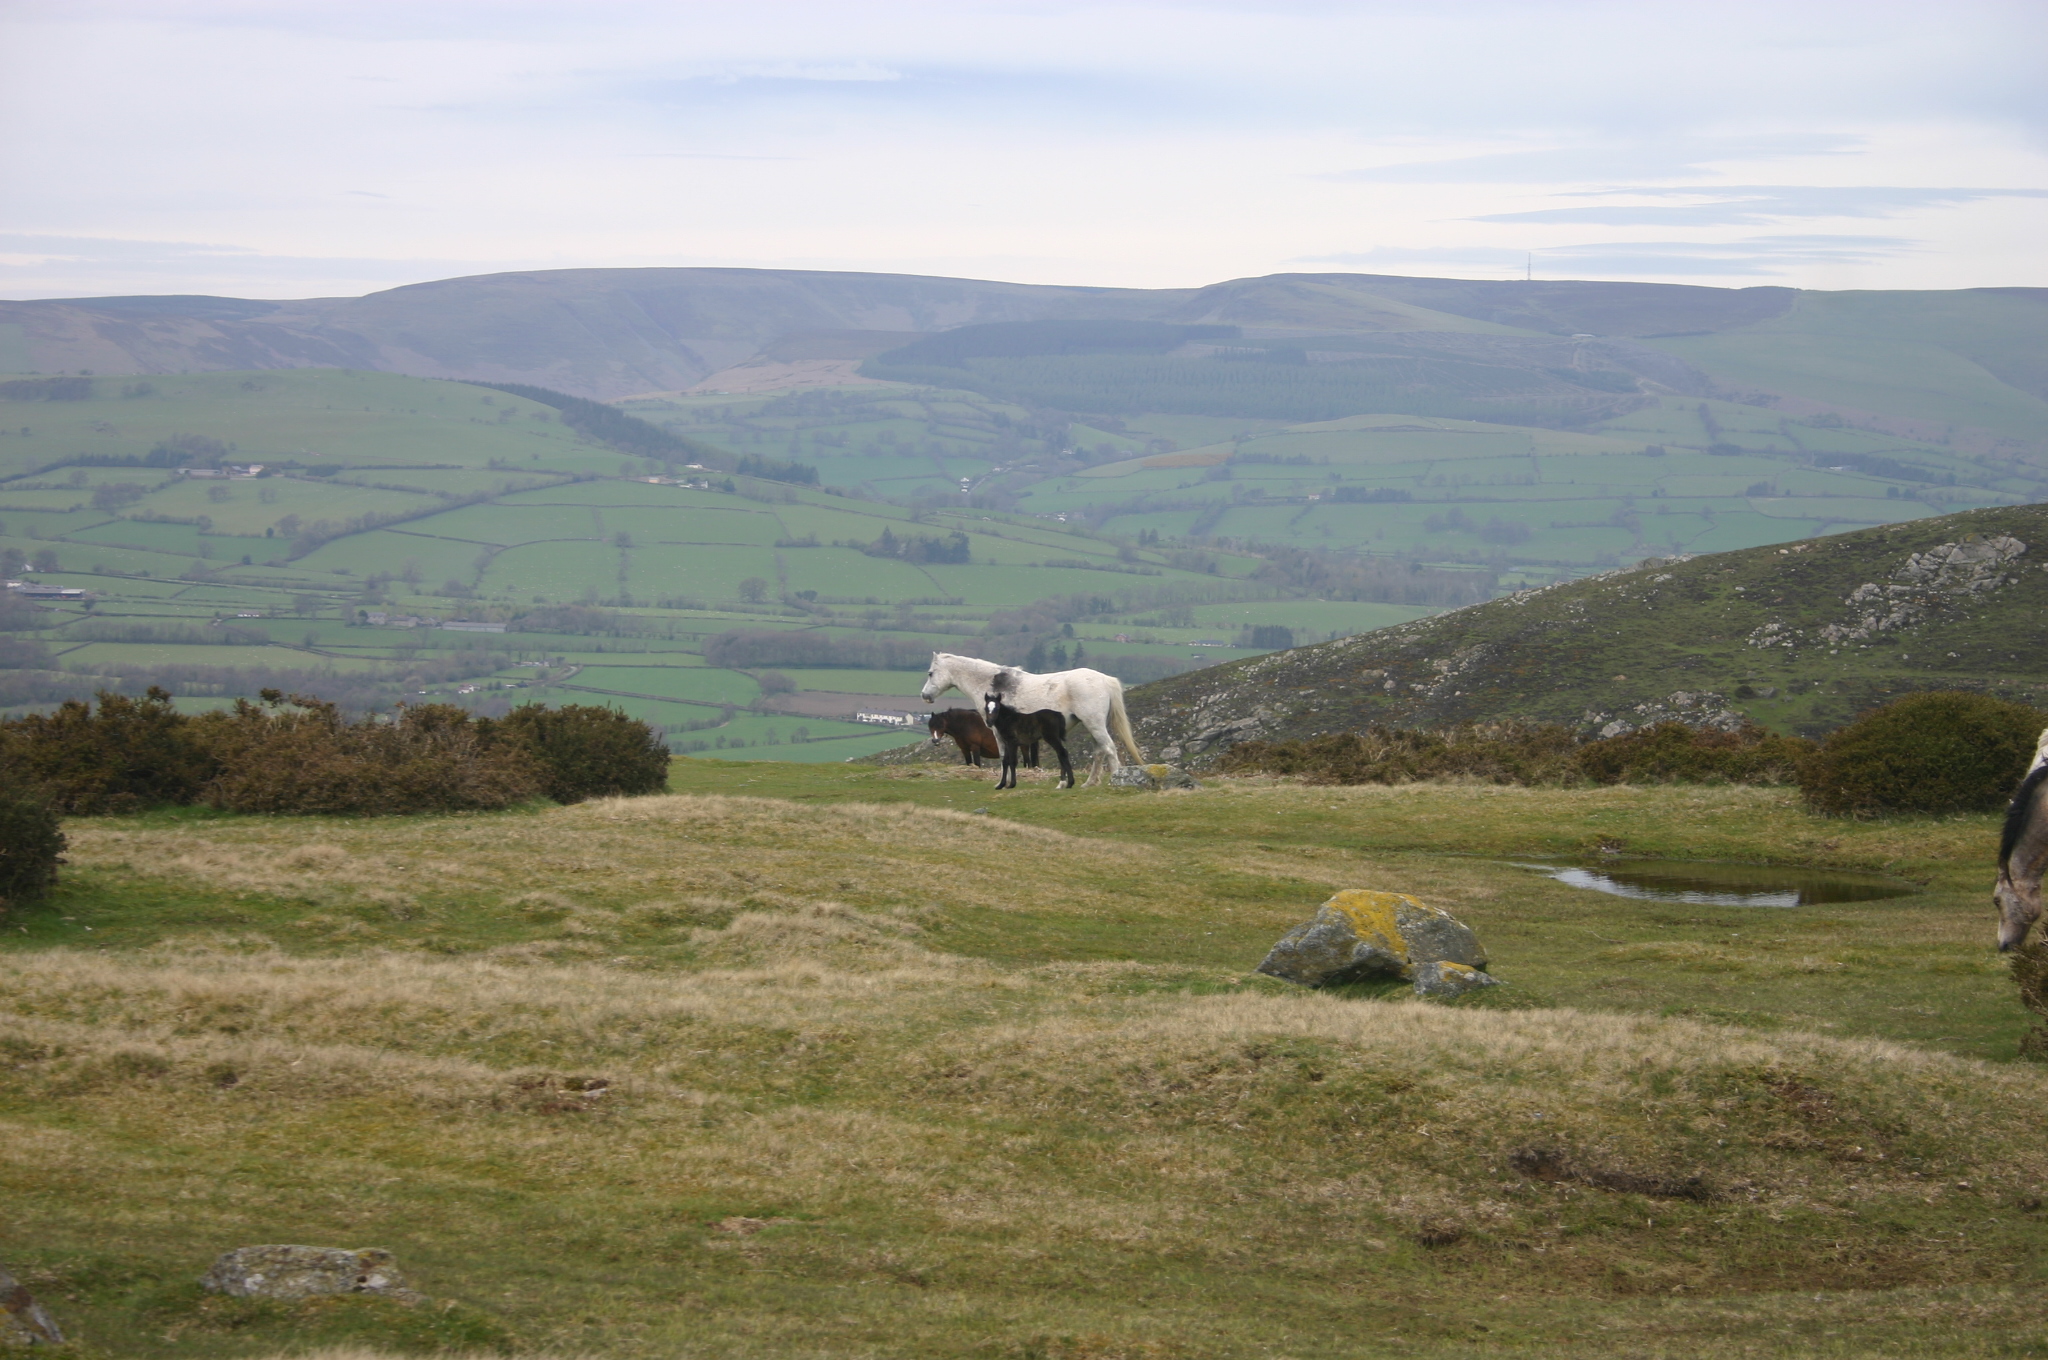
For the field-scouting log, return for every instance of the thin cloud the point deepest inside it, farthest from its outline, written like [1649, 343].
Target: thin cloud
[1581, 164]
[1756, 205]
[1754, 257]
[705, 156]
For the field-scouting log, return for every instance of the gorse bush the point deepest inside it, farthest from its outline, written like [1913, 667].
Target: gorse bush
[1525, 753]
[300, 755]
[130, 754]
[1945, 751]
[584, 751]
[31, 846]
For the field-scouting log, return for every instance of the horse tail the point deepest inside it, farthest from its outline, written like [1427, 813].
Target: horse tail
[1120, 723]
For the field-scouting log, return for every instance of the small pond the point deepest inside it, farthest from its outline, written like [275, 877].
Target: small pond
[1724, 885]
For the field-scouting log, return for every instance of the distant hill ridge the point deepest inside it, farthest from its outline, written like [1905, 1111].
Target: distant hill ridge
[1798, 638]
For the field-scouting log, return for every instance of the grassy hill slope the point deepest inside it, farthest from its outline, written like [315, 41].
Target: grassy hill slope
[611, 333]
[1973, 359]
[1650, 476]
[817, 1061]
[1797, 638]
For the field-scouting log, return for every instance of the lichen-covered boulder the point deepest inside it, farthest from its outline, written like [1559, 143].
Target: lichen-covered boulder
[1152, 777]
[23, 1321]
[285, 1272]
[1359, 935]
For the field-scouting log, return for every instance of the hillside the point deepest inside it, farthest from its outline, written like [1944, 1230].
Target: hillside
[1517, 504]
[1797, 638]
[1969, 365]
[408, 538]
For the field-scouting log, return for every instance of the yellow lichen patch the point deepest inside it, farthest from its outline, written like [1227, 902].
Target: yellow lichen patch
[1458, 970]
[1375, 916]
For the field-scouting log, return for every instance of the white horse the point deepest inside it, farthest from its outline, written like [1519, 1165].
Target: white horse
[1097, 700]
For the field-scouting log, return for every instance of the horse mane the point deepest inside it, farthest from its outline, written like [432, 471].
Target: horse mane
[2019, 814]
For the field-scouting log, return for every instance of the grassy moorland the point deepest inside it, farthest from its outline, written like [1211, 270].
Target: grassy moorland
[873, 1061]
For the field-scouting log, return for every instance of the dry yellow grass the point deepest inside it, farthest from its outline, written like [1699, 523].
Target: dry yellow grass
[725, 1086]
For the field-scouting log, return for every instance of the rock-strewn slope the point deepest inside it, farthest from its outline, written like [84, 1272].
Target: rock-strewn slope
[1798, 638]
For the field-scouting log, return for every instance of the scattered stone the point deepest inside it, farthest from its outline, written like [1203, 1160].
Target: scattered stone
[23, 1321]
[1359, 934]
[286, 1272]
[1703, 710]
[1436, 977]
[1153, 777]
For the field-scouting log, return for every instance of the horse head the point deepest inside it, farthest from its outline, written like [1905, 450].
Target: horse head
[933, 685]
[2019, 906]
[1001, 686]
[937, 724]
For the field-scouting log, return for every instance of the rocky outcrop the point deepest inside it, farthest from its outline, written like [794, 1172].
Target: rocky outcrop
[1702, 709]
[1360, 935]
[1153, 777]
[1924, 586]
[288, 1272]
[23, 1320]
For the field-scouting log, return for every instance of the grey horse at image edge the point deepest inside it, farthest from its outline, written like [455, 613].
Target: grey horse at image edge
[2022, 859]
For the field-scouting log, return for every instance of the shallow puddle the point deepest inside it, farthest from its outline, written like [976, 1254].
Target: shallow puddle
[1724, 885]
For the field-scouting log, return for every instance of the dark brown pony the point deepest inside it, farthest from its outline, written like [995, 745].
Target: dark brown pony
[966, 728]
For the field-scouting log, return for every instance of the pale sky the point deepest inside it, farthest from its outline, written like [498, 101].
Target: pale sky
[271, 149]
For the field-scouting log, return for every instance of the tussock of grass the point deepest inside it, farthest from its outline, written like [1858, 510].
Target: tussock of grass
[746, 1076]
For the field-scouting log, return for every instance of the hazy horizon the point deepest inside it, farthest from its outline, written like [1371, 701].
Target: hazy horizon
[287, 151]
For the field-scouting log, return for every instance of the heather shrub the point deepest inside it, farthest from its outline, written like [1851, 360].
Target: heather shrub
[1499, 753]
[300, 756]
[586, 751]
[1528, 753]
[130, 754]
[1672, 753]
[31, 846]
[2030, 972]
[1943, 751]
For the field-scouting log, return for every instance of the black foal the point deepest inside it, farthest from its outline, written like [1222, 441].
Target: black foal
[1014, 730]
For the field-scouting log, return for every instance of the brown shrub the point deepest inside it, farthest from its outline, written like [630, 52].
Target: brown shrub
[130, 754]
[1500, 753]
[1527, 753]
[300, 756]
[1672, 753]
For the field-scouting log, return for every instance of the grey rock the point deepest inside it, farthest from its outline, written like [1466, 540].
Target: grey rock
[24, 1321]
[1440, 978]
[1360, 934]
[1152, 777]
[287, 1272]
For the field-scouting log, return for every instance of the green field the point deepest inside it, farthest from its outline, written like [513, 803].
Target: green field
[432, 500]
[836, 1060]
[408, 497]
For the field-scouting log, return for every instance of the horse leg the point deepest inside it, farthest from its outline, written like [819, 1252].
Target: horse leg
[1105, 746]
[1059, 747]
[1006, 746]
